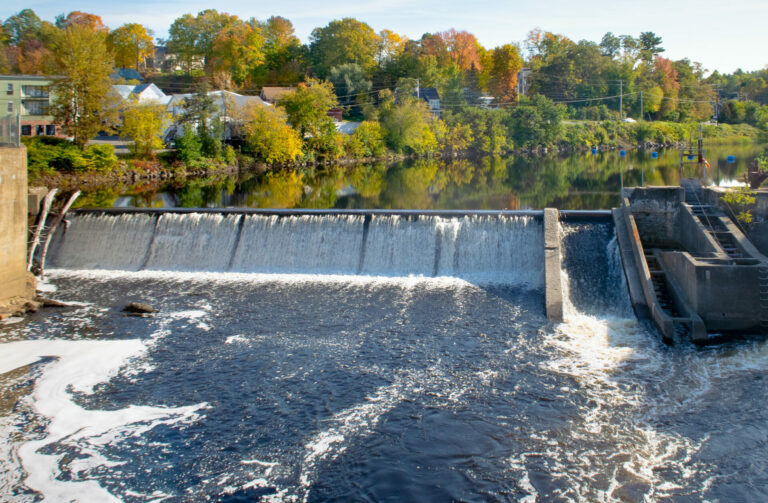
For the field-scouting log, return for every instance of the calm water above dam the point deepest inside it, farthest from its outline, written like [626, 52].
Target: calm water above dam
[578, 181]
[401, 373]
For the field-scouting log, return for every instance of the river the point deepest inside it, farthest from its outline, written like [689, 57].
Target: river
[576, 181]
[287, 362]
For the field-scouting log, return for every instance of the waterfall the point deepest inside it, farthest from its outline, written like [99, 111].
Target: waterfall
[497, 249]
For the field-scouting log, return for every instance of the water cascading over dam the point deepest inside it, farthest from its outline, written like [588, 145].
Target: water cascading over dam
[480, 248]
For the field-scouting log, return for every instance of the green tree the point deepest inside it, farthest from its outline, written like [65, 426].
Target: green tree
[238, 49]
[343, 41]
[350, 83]
[650, 46]
[82, 96]
[131, 44]
[308, 106]
[407, 124]
[22, 26]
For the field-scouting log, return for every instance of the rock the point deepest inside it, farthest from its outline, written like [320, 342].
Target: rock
[53, 303]
[139, 308]
[31, 306]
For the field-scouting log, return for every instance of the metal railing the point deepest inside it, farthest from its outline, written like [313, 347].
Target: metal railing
[10, 130]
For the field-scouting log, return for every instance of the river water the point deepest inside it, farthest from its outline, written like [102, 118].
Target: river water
[577, 181]
[380, 380]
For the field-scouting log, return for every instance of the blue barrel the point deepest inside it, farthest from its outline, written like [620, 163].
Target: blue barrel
[622, 153]
[690, 157]
[731, 159]
[594, 150]
[655, 155]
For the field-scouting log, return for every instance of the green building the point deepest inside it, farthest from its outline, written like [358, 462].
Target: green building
[28, 97]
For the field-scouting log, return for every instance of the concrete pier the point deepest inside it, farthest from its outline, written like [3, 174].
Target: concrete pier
[553, 289]
[13, 222]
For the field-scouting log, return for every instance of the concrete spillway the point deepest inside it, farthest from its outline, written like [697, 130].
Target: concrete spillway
[483, 247]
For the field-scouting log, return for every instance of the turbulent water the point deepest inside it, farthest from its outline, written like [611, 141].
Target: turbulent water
[390, 381]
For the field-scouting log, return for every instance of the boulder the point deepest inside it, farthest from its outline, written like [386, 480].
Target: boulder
[139, 308]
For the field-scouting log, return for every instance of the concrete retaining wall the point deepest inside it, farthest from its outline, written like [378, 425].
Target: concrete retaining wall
[13, 222]
[553, 290]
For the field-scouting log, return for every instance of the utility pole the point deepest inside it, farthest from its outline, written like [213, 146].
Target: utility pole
[621, 99]
[418, 90]
[642, 111]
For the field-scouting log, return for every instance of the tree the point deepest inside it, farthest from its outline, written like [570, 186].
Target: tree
[407, 124]
[182, 38]
[343, 41]
[237, 49]
[610, 44]
[84, 19]
[650, 46]
[22, 26]
[82, 96]
[506, 63]
[308, 106]
[145, 123]
[349, 81]
[267, 134]
[131, 44]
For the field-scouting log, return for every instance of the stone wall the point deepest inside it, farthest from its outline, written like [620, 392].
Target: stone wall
[13, 222]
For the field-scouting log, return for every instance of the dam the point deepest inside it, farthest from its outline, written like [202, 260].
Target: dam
[336, 355]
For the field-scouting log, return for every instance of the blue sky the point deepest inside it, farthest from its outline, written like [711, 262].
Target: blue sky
[720, 34]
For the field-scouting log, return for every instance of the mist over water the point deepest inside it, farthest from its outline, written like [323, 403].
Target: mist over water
[283, 385]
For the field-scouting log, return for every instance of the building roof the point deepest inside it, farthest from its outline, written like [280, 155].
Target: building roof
[143, 92]
[220, 98]
[428, 93]
[16, 76]
[274, 93]
[126, 74]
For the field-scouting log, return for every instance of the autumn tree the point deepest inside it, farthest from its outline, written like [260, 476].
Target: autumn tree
[407, 124]
[131, 44]
[343, 41]
[82, 96]
[144, 123]
[191, 37]
[505, 65]
[238, 49]
[83, 19]
[267, 134]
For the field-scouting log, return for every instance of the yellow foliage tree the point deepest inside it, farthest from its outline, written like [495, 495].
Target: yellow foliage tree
[267, 133]
[132, 44]
[144, 123]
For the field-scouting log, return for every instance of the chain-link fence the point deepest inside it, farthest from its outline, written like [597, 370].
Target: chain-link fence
[10, 129]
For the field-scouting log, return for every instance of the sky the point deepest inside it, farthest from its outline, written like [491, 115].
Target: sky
[722, 35]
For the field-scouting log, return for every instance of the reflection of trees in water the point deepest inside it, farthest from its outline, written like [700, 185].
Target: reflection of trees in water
[577, 181]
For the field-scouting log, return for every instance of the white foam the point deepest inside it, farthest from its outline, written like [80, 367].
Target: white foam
[78, 367]
[232, 339]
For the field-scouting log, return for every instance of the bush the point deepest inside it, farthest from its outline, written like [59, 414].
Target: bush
[46, 155]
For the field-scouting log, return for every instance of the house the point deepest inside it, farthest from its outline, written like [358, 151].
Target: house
[224, 101]
[126, 74]
[335, 113]
[431, 96]
[28, 97]
[271, 94]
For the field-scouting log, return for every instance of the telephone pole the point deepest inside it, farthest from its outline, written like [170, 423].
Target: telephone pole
[621, 99]
[642, 112]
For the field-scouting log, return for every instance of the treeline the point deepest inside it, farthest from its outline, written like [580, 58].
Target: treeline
[372, 76]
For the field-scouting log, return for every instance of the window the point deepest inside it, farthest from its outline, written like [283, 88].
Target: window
[34, 91]
[9, 89]
[50, 130]
[36, 107]
[39, 130]
[26, 130]
[10, 107]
